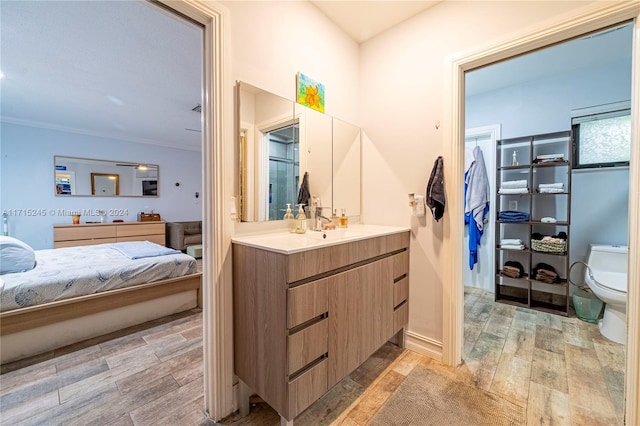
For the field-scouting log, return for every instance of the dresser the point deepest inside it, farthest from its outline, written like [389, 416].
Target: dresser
[84, 234]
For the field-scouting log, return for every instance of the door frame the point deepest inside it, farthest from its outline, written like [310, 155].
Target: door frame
[218, 167]
[591, 18]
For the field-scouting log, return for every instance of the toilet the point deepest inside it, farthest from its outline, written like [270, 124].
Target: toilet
[607, 278]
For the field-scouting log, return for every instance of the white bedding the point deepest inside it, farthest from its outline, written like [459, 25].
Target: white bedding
[77, 271]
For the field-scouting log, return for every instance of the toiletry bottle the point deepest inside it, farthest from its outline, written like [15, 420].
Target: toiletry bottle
[344, 220]
[514, 159]
[301, 220]
[335, 220]
[289, 219]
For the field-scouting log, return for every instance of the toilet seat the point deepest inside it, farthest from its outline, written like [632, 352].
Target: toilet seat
[619, 281]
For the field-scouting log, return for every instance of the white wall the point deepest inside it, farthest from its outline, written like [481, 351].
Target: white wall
[27, 180]
[402, 81]
[600, 197]
[270, 42]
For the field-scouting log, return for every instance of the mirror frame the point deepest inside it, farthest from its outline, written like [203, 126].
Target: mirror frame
[109, 177]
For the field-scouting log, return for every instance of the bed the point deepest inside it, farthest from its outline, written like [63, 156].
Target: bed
[76, 293]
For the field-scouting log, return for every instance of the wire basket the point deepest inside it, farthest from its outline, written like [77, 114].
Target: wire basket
[556, 247]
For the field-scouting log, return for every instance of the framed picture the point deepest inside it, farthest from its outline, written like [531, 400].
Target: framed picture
[310, 92]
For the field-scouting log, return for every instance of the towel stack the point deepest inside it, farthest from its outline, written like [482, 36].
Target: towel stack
[545, 273]
[511, 244]
[514, 187]
[551, 188]
[549, 158]
[513, 216]
[512, 269]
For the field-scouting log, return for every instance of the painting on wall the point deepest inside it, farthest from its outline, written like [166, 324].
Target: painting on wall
[310, 92]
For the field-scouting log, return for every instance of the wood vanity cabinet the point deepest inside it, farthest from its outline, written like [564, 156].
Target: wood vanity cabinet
[305, 320]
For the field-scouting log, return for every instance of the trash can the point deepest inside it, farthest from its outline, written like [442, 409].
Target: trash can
[587, 305]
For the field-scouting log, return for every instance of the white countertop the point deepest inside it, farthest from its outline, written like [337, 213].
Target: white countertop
[287, 243]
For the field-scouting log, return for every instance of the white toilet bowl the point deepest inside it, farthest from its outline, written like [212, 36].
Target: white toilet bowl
[607, 278]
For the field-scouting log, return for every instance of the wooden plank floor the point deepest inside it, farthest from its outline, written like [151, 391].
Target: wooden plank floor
[560, 369]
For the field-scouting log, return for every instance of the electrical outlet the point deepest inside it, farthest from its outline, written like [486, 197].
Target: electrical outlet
[513, 205]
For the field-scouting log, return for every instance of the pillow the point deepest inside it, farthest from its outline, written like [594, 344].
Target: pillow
[15, 256]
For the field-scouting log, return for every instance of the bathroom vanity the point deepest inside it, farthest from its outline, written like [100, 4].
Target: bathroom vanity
[310, 308]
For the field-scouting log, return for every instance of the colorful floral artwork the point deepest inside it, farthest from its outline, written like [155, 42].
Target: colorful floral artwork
[310, 93]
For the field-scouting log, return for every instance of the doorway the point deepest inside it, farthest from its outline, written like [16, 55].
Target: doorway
[594, 18]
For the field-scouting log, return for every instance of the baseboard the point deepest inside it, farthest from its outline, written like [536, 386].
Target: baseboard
[424, 345]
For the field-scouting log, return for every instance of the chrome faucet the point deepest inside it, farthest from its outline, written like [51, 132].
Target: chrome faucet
[317, 222]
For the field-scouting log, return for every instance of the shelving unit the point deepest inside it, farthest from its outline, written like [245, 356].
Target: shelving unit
[526, 291]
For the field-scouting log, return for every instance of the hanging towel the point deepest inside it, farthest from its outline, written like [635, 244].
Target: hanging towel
[435, 190]
[476, 202]
[304, 194]
[477, 193]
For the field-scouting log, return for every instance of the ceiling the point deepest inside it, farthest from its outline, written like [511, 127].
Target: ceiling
[362, 20]
[132, 71]
[127, 70]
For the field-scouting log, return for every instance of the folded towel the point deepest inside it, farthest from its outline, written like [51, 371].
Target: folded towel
[551, 185]
[515, 241]
[510, 271]
[513, 216]
[141, 249]
[548, 220]
[512, 264]
[513, 190]
[514, 184]
[549, 156]
[512, 246]
[551, 190]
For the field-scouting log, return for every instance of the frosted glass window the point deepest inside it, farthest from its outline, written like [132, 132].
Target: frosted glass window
[604, 142]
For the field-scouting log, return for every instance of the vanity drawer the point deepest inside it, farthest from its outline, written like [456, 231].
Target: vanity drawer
[305, 389]
[400, 316]
[307, 301]
[307, 345]
[401, 264]
[400, 291]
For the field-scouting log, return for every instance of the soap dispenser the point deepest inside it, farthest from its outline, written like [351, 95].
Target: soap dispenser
[301, 220]
[289, 219]
[344, 220]
[335, 220]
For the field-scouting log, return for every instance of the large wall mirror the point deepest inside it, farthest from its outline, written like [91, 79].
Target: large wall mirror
[278, 141]
[101, 178]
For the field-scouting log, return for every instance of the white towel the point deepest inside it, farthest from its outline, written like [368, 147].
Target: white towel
[551, 190]
[478, 191]
[511, 241]
[551, 185]
[549, 156]
[512, 247]
[513, 191]
[514, 184]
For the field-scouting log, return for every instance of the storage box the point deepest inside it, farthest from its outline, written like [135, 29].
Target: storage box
[149, 217]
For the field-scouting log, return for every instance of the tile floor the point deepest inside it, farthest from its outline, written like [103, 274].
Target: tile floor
[560, 369]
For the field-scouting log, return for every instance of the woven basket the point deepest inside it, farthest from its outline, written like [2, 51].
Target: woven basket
[558, 247]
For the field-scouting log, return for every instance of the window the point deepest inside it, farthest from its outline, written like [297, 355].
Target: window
[602, 139]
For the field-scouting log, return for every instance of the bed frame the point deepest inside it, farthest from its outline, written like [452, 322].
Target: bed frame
[32, 317]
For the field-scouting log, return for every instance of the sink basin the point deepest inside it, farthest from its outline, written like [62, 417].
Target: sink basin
[333, 234]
